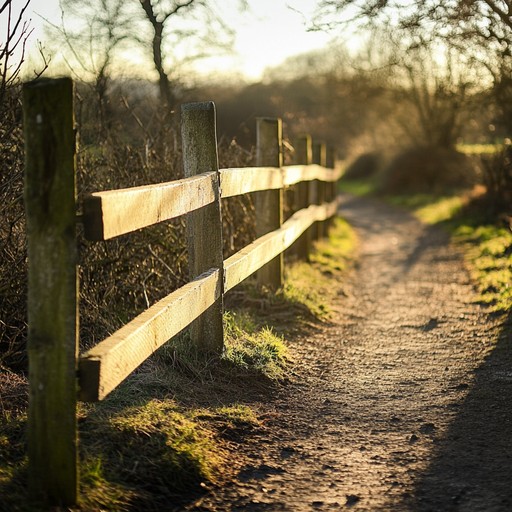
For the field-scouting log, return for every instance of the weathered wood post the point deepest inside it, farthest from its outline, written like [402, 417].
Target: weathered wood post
[331, 190]
[304, 156]
[52, 290]
[320, 158]
[204, 226]
[269, 203]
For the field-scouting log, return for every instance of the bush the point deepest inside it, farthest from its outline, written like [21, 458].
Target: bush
[13, 250]
[428, 170]
[497, 178]
[364, 166]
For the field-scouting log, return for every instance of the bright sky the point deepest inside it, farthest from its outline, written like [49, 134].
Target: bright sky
[273, 31]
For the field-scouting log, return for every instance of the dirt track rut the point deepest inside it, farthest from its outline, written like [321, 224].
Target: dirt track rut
[403, 403]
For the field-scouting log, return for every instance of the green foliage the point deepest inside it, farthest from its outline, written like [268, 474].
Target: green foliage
[357, 187]
[309, 285]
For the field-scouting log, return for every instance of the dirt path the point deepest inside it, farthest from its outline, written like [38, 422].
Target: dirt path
[405, 403]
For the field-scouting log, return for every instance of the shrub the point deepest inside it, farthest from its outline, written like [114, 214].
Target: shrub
[13, 250]
[427, 170]
[364, 166]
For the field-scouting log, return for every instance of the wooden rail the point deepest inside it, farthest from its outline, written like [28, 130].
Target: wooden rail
[53, 314]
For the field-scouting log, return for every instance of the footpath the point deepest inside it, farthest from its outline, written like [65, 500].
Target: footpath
[402, 403]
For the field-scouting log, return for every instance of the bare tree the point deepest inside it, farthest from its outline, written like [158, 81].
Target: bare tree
[481, 29]
[158, 22]
[173, 22]
[12, 51]
[99, 29]
[172, 32]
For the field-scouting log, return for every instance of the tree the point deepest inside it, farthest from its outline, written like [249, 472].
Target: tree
[172, 32]
[481, 29]
[12, 50]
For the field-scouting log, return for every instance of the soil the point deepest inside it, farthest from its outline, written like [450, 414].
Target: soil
[402, 403]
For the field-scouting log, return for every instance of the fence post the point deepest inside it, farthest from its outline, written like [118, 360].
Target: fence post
[304, 156]
[320, 158]
[52, 290]
[269, 203]
[331, 190]
[204, 226]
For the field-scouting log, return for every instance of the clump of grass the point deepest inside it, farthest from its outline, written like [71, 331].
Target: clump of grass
[253, 349]
[489, 254]
[357, 187]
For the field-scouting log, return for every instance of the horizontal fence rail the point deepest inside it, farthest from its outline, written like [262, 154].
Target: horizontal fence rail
[198, 305]
[117, 212]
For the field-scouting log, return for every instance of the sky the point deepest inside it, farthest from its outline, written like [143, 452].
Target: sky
[273, 31]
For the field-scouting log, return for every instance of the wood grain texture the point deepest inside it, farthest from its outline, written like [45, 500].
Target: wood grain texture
[204, 226]
[238, 181]
[293, 174]
[115, 212]
[106, 365]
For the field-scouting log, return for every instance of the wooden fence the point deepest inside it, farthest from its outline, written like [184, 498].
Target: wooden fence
[58, 375]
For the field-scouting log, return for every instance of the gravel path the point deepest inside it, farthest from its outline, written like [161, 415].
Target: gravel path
[404, 403]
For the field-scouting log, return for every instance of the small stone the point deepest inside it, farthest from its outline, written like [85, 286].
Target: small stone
[352, 499]
[427, 428]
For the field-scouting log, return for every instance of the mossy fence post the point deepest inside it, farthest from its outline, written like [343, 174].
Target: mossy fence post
[204, 226]
[304, 156]
[268, 204]
[52, 290]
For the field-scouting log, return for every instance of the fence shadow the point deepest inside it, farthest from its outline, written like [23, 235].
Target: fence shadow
[472, 466]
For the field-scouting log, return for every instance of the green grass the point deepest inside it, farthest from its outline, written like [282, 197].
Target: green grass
[489, 254]
[249, 347]
[357, 187]
[429, 208]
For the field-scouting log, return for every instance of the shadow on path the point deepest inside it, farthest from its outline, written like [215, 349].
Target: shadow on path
[471, 468]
